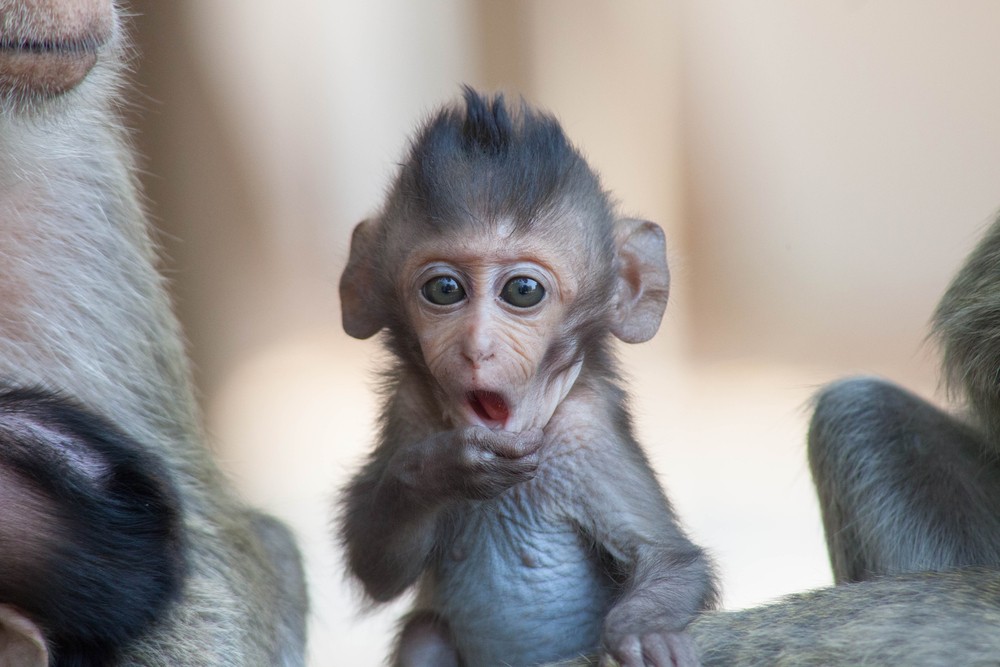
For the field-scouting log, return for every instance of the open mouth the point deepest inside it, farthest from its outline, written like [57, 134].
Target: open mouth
[489, 406]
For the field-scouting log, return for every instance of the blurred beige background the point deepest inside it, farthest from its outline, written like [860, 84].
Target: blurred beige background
[820, 169]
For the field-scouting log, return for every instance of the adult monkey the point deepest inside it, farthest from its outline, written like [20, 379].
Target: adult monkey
[119, 544]
[910, 497]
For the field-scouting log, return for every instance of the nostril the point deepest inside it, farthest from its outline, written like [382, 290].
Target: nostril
[477, 357]
[477, 348]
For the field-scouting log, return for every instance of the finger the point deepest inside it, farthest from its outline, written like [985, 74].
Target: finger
[489, 476]
[683, 648]
[532, 438]
[513, 471]
[515, 445]
[628, 652]
[656, 651]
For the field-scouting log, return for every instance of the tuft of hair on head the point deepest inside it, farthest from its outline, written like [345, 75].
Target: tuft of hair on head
[483, 161]
[487, 127]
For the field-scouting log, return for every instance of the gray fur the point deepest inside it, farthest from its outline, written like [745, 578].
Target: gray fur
[967, 326]
[917, 619]
[481, 163]
[84, 312]
[903, 486]
[897, 621]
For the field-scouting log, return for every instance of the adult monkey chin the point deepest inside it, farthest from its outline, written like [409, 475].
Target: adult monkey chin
[506, 484]
[119, 543]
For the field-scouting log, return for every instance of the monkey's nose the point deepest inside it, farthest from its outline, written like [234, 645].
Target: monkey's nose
[47, 47]
[477, 357]
[477, 347]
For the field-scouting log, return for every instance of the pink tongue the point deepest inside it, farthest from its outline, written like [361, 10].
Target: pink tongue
[492, 405]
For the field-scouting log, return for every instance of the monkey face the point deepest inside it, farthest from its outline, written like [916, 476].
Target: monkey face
[485, 310]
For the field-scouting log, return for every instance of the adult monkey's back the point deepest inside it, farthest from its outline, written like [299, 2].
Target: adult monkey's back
[119, 543]
[910, 497]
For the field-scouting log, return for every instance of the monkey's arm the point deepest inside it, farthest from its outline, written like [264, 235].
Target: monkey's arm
[388, 536]
[395, 509]
[668, 580]
[892, 473]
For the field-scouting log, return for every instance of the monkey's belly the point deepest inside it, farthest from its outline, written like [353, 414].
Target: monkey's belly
[520, 589]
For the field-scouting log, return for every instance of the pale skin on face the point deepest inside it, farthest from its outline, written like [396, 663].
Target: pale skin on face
[483, 342]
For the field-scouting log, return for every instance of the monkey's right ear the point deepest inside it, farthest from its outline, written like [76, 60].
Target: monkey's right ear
[359, 301]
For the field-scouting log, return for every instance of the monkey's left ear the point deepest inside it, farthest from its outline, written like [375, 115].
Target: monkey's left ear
[643, 280]
[361, 315]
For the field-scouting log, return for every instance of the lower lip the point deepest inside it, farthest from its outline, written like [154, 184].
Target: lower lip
[48, 73]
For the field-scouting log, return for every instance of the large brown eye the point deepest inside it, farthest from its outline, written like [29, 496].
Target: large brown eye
[522, 292]
[443, 291]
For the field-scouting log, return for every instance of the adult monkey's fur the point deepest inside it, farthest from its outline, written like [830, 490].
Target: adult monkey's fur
[84, 314]
[921, 619]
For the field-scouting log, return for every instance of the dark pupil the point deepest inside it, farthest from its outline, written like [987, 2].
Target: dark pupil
[443, 291]
[522, 292]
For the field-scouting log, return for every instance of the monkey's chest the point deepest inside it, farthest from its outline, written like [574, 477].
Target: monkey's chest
[520, 587]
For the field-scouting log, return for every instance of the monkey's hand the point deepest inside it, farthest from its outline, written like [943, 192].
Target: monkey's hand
[472, 462]
[649, 648]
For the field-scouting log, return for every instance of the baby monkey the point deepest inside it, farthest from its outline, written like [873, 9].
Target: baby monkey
[507, 484]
